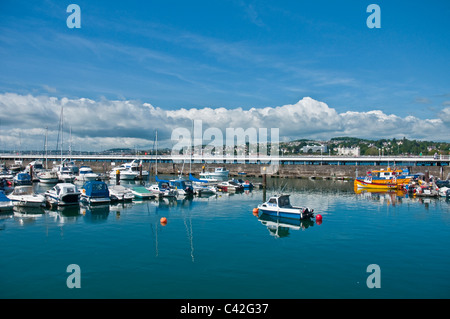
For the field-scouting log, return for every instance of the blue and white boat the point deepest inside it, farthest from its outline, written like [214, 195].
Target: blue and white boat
[162, 188]
[22, 179]
[95, 192]
[246, 184]
[63, 194]
[280, 205]
[202, 186]
[180, 186]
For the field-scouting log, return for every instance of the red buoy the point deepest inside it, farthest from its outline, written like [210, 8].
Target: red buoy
[318, 217]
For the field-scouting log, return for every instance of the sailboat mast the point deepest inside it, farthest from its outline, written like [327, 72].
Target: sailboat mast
[156, 158]
[62, 131]
[46, 147]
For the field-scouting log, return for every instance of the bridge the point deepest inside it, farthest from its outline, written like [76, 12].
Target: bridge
[441, 160]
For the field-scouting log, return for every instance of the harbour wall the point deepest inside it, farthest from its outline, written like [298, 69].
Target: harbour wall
[257, 170]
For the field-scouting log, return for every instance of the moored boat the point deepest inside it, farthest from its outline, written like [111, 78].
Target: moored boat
[22, 179]
[120, 193]
[129, 171]
[85, 173]
[48, 177]
[368, 182]
[279, 205]
[63, 194]
[142, 192]
[229, 186]
[219, 174]
[95, 192]
[24, 196]
[399, 177]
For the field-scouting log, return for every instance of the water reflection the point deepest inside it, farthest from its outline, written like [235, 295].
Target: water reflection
[280, 227]
[95, 213]
[65, 214]
[27, 215]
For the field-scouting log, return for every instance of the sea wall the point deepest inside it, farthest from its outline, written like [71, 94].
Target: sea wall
[282, 171]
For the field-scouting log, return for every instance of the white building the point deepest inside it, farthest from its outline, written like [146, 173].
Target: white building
[315, 148]
[349, 151]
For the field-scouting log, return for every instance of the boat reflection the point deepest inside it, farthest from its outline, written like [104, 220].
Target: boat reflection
[27, 215]
[279, 226]
[65, 214]
[388, 197]
[95, 213]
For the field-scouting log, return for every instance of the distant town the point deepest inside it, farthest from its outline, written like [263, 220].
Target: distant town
[346, 146]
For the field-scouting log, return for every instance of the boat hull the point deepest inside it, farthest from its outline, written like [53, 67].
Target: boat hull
[374, 185]
[292, 213]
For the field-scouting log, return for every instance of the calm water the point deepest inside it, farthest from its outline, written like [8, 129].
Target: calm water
[216, 248]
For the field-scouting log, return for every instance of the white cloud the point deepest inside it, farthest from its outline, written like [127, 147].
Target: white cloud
[106, 123]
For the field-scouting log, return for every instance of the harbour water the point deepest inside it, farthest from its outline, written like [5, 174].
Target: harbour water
[215, 247]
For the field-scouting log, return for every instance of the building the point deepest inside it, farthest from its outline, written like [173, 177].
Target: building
[315, 148]
[348, 151]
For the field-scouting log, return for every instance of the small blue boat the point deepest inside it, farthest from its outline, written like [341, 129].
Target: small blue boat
[280, 206]
[95, 192]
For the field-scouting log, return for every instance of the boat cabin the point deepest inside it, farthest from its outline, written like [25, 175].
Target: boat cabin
[281, 201]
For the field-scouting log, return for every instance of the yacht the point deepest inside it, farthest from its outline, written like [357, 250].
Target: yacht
[86, 174]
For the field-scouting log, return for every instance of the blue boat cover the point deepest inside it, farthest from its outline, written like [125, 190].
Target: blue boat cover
[96, 189]
[23, 177]
[3, 197]
[160, 180]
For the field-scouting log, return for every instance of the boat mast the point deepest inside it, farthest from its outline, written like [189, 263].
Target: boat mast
[62, 132]
[156, 155]
[46, 147]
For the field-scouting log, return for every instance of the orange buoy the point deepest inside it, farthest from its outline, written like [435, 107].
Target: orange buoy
[163, 221]
[255, 211]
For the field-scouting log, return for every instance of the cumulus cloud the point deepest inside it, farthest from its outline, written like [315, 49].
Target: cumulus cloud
[103, 124]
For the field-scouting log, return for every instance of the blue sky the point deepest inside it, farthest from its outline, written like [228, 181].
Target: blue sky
[232, 54]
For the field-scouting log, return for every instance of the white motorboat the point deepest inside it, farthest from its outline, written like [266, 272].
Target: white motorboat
[219, 174]
[48, 177]
[129, 171]
[120, 193]
[124, 174]
[66, 175]
[280, 206]
[24, 196]
[63, 194]
[86, 174]
[200, 189]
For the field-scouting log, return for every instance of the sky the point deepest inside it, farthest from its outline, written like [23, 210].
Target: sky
[313, 69]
